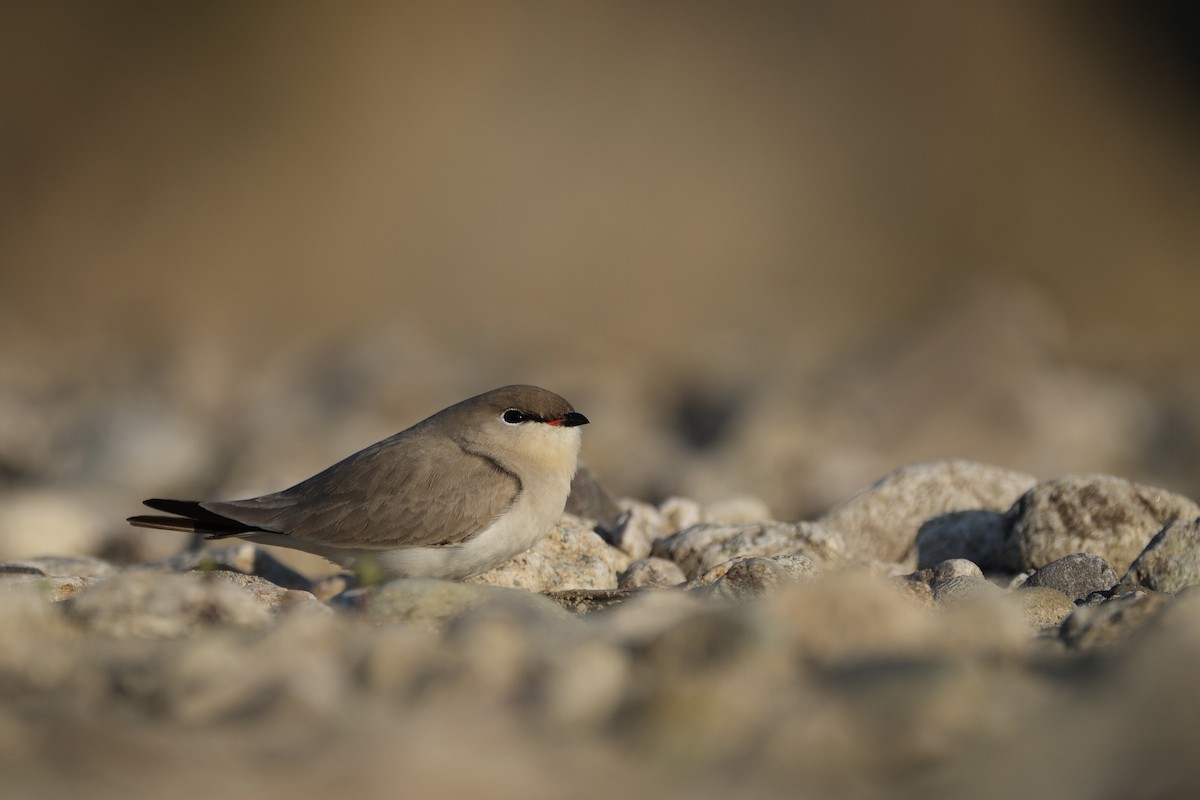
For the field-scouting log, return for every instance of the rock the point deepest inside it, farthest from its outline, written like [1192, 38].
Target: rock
[242, 557]
[1171, 561]
[1175, 629]
[704, 643]
[583, 685]
[150, 604]
[748, 578]
[681, 512]
[1111, 621]
[646, 615]
[977, 535]
[293, 669]
[430, 604]
[880, 569]
[858, 617]
[55, 588]
[570, 556]
[964, 588]
[883, 521]
[916, 587]
[798, 567]
[60, 566]
[588, 499]
[36, 654]
[584, 601]
[271, 595]
[636, 529]
[935, 576]
[701, 547]
[1076, 575]
[651, 572]
[505, 657]
[955, 568]
[1111, 517]
[1044, 607]
[640, 524]
[739, 510]
[393, 658]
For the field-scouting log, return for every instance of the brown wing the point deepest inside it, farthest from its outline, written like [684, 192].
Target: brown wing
[388, 495]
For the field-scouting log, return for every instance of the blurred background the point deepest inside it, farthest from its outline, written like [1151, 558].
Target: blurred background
[770, 249]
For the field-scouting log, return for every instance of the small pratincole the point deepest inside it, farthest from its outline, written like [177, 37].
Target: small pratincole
[453, 496]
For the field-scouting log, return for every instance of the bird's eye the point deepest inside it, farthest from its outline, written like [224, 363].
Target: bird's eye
[513, 417]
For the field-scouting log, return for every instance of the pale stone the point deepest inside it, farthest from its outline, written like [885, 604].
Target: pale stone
[571, 556]
[707, 545]
[884, 520]
[151, 604]
[1101, 514]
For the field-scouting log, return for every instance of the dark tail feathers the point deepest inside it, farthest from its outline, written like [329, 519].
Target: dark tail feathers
[192, 517]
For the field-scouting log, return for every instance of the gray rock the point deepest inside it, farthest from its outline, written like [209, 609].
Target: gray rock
[1110, 622]
[571, 556]
[1076, 575]
[702, 547]
[964, 588]
[1044, 608]
[651, 572]
[152, 604]
[931, 577]
[883, 521]
[977, 535]
[430, 604]
[955, 568]
[1111, 517]
[748, 578]
[1171, 561]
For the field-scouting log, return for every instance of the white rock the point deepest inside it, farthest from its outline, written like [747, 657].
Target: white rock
[570, 556]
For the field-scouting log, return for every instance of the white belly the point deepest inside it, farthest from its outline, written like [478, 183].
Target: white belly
[512, 534]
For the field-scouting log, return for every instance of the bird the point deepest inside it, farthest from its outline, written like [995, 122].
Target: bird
[453, 496]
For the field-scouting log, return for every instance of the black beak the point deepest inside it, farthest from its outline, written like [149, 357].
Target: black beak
[573, 418]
